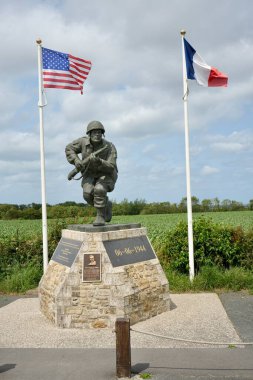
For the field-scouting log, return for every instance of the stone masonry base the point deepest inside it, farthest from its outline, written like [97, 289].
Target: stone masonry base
[138, 291]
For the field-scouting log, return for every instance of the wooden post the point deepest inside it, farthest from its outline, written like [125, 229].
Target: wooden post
[123, 347]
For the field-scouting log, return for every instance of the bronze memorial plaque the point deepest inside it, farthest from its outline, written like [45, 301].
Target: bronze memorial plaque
[66, 251]
[92, 267]
[129, 251]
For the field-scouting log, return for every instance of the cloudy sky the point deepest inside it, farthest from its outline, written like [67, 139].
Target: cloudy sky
[135, 89]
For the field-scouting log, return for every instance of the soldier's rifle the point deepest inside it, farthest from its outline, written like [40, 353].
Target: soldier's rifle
[73, 172]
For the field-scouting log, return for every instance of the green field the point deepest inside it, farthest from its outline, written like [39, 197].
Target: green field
[156, 224]
[229, 249]
[168, 221]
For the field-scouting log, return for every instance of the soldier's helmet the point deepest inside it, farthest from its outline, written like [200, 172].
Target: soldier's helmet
[94, 125]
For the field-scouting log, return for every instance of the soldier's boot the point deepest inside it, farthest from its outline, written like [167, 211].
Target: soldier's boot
[108, 211]
[100, 219]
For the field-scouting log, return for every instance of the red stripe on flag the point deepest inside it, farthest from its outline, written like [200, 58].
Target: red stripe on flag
[47, 73]
[59, 80]
[75, 74]
[217, 79]
[79, 65]
[80, 59]
[80, 81]
[74, 62]
[63, 87]
[71, 64]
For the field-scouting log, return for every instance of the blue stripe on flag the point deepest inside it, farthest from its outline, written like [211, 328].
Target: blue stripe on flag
[189, 53]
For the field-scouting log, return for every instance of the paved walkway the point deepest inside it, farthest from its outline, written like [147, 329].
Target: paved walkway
[32, 348]
[239, 308]
[99, 364]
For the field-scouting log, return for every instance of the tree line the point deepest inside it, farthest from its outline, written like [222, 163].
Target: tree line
[125, 207]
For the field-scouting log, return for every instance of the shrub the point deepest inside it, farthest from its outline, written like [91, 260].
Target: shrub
[21, 279]
[216, 249]
[20, 251]
[211, 279]
[214, 244]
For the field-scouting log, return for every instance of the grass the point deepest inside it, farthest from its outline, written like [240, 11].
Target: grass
[21, 279]
[168, 221]
[145, 375]
[154, 223]
[208, 279]
[211, 279]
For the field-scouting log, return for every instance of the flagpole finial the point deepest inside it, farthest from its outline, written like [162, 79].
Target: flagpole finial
[183, 32]
[39, 41]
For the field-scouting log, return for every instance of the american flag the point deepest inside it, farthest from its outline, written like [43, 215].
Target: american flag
[61, 70]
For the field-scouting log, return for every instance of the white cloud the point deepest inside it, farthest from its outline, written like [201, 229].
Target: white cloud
[228, 146]
[150, 148]
[11, 101]
[233, 143]
[18, 146]
[207, 170]
[134, 88]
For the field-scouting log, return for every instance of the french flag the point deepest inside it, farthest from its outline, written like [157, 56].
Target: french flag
[199, 70]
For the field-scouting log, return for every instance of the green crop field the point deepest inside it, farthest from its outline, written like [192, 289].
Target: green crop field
[157, 225]
[228, 248]
[168, 221]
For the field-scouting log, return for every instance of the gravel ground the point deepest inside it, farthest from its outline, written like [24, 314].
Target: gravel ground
[193, 316]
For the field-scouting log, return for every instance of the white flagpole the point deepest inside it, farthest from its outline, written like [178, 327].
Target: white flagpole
[42, 161]
[187, 158]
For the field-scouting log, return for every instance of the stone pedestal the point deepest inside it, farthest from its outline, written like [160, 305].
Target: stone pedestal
[138, 290]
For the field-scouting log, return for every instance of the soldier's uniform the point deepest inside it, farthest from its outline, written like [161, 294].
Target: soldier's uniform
[99, 174]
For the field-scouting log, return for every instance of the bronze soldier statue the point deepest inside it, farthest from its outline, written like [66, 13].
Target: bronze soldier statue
[98, 169]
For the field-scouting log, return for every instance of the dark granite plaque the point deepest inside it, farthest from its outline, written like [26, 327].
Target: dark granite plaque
[66, 251]
[129, 251]
[92, 267]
